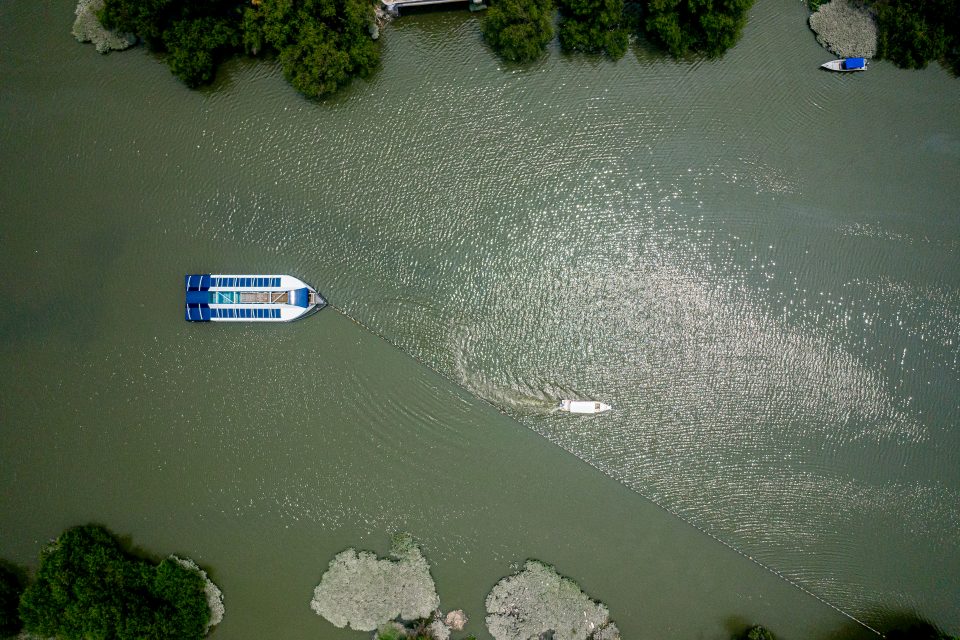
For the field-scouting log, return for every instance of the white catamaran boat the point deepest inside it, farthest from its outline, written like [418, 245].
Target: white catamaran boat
[249, 298]
[583, 406]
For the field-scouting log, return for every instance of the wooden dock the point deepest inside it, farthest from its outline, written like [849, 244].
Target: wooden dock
[394, 7]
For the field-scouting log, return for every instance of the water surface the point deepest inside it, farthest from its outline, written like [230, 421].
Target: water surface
[755, 263]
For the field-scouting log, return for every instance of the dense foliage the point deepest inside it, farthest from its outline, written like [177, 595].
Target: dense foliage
[322, 44]
[196, 34]
[705, 27]
[12, 583]
[519, 30]
[917, 630]
[914, 32]
[593, 26]
[756, 633]
[87, 586]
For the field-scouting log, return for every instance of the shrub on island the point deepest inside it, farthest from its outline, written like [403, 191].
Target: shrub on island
[88, 585]
[538, 601]
[362, 591]
[519, 30]
[699, 27]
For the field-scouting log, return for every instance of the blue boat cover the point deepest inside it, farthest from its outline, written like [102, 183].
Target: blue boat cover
[854, 63]
[198, 297]
[300, 297]
[198, 313]
[196, 282]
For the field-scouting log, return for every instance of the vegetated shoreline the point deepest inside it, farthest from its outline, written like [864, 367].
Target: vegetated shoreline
[323, 44]
[90, 583]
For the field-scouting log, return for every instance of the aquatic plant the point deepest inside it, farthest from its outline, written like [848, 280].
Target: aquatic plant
[363, 591]
[87, 28]
[89, 586]
[538, 600]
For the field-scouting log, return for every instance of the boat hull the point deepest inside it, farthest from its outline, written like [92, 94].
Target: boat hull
[249, 298]
[842, 66]
[583, 406]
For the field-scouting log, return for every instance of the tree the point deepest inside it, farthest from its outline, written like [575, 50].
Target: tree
[89, 586]
[322, 44]
[519, 30]
[917, 630]
[914, 32]
[196, 45]
[593, 26]
[758, 633]
[706, 27]
[13, 581]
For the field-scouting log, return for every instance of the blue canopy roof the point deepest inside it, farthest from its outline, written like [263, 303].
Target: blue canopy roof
[300, 297]
[197, 282]
[854, 63]
[198, 297]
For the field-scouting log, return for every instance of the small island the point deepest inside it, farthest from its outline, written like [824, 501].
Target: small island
[89, 584]
[538, 602]
[396, 598]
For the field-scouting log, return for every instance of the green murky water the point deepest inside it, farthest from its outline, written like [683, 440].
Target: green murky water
[755, 262]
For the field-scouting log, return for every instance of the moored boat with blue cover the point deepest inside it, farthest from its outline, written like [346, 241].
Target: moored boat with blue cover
[248, 298]
[846, 64]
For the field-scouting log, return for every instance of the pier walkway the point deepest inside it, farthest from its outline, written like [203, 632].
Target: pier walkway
[394, 6]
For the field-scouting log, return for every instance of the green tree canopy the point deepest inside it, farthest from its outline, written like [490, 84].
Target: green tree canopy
[519, 30]
[13, 580]
[705, 27]
[593, 26]
[914, 32]
[758, 633]
[322, 44]
[88, 586]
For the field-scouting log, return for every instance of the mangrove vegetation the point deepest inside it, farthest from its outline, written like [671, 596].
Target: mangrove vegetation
[913, 33]
[90, 585]
[909, 33]
[519, 30]
[593, 26]
[321, 44]
[695, 27]
[12, 583]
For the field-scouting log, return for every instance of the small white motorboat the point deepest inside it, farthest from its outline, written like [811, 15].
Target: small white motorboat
[583, 406]
[846, 64]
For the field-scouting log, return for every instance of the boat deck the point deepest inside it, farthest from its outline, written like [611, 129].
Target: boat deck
[264, 297]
